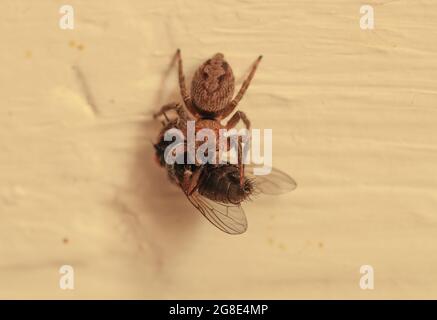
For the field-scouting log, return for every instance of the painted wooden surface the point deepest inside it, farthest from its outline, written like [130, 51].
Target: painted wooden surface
[354, 121]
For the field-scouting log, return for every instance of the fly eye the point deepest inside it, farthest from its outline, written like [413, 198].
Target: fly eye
[235, 176]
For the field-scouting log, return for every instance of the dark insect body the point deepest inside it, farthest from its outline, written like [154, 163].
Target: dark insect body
[221, 183]
[217, 182]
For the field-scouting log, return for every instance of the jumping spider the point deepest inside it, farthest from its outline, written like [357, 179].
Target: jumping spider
[211, 99]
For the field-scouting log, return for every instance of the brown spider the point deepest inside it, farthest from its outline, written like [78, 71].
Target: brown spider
[211, 99]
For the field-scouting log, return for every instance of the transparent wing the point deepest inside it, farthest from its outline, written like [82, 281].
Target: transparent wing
[227, 217]
[274, 183]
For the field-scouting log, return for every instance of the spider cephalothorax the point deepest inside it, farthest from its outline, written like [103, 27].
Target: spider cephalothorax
[212, 86]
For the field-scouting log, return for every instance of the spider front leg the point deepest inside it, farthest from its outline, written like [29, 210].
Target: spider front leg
[241, 154]
[239, 115]
[182, 86]
[172, 106]
[240, 160]
[231, 106]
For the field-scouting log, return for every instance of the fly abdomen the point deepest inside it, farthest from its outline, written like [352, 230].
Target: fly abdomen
[222, 183]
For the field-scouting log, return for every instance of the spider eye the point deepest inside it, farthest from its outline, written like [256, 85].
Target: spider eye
[204, 75]
[221, 78]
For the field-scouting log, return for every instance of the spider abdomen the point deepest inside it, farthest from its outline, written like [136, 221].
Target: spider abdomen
[212, 86]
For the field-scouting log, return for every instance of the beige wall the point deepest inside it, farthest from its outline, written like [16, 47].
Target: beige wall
[354, 119]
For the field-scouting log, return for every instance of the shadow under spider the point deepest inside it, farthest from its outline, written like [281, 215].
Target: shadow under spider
[159, 216]
[155, 213]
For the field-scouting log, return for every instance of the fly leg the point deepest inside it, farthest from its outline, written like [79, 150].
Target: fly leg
[191, 180]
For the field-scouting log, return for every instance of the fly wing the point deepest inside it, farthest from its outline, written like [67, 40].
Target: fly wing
[227, 217]
[274, 183]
